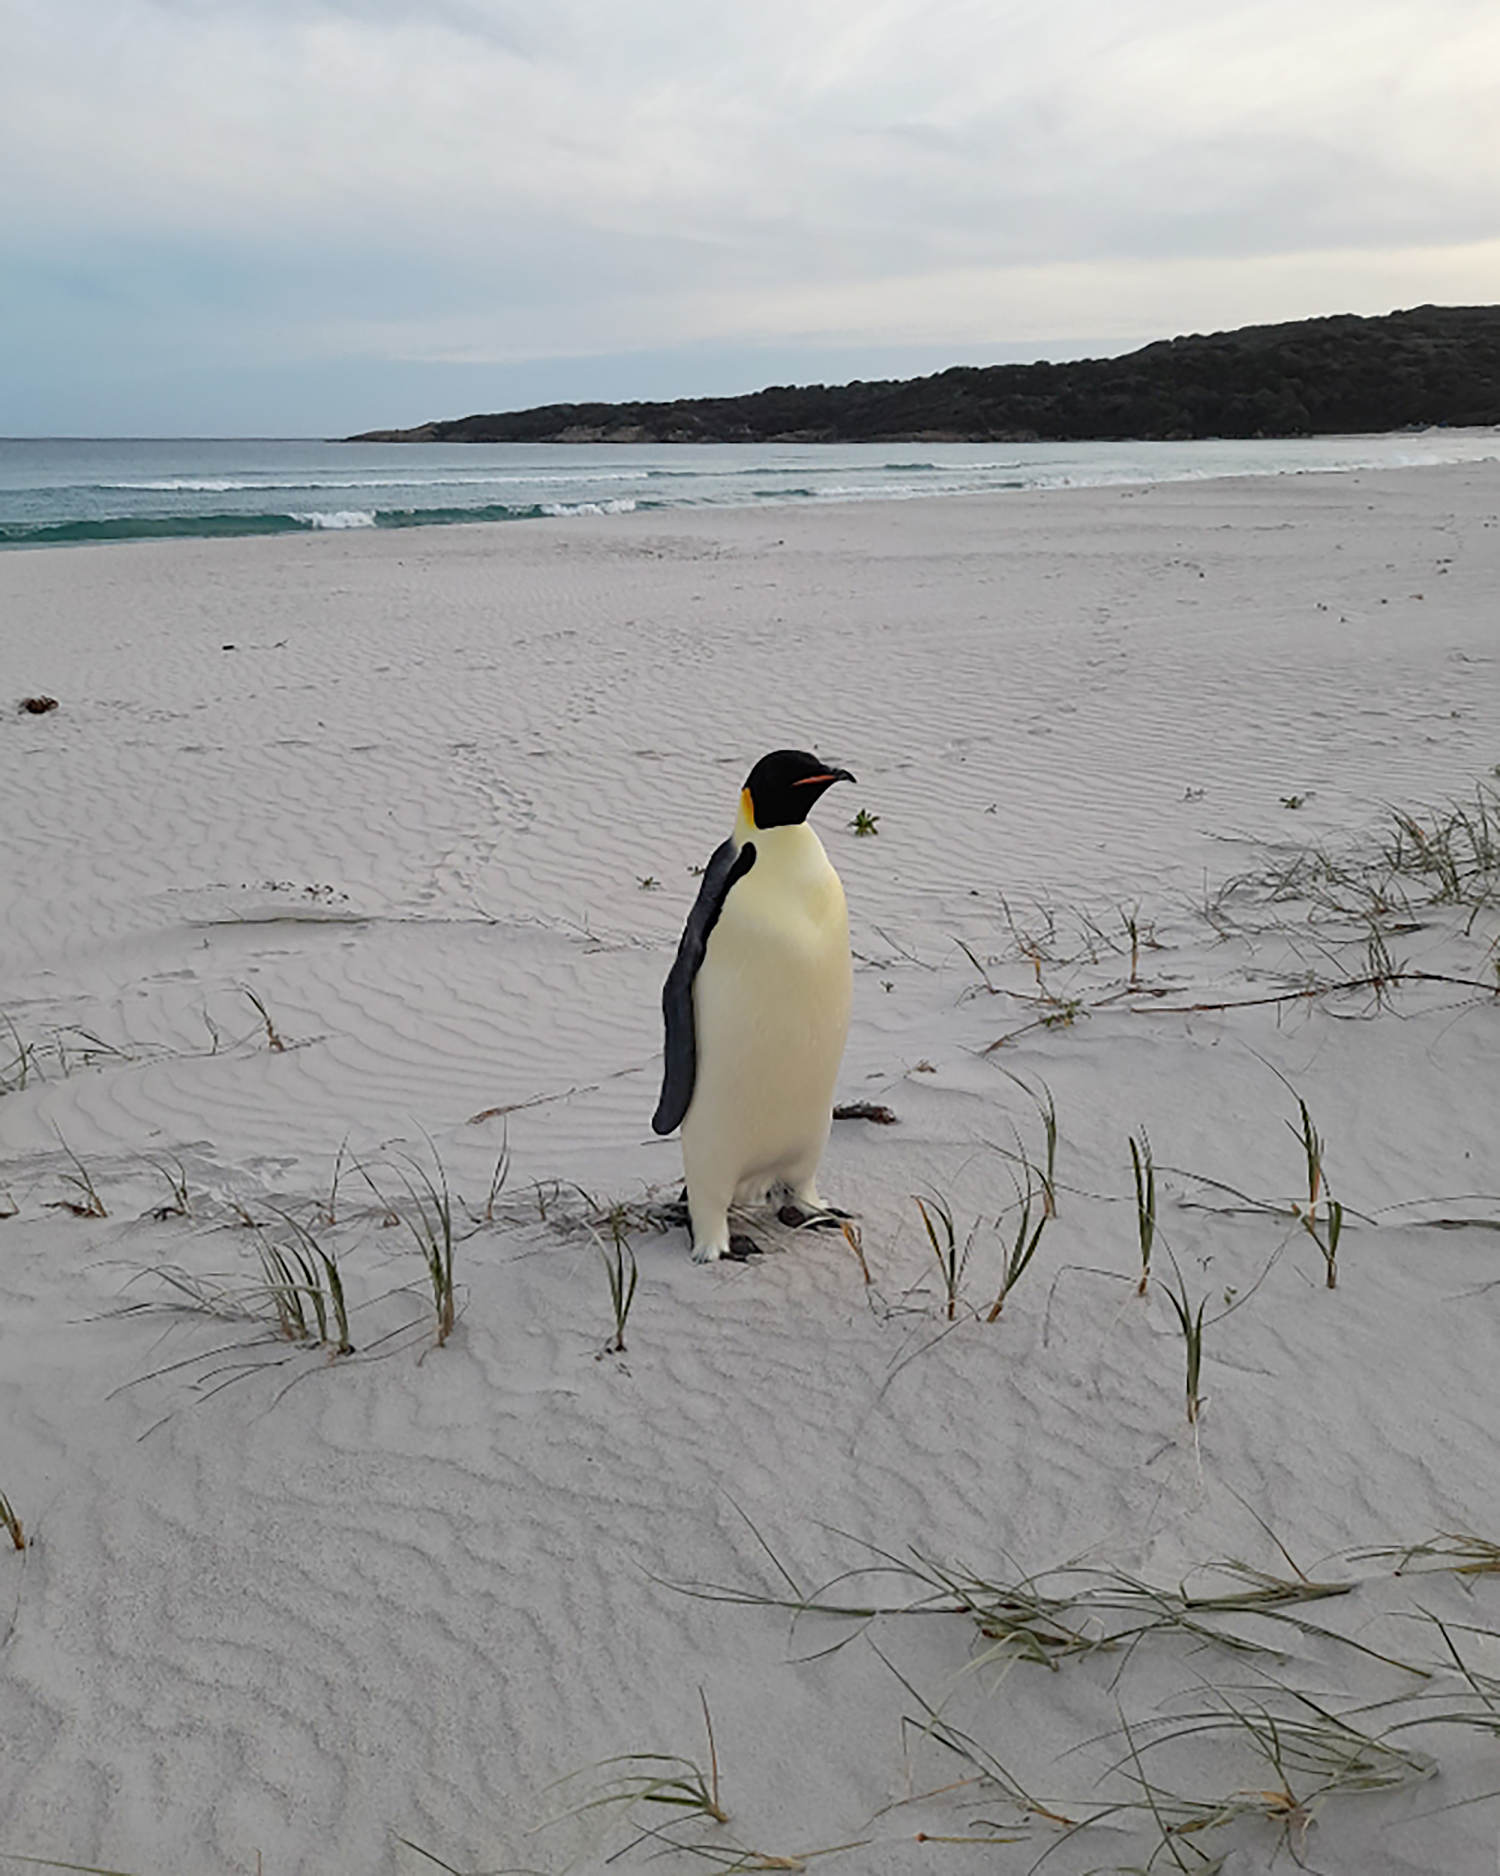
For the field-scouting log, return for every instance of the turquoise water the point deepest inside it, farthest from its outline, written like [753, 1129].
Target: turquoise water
[60, 492]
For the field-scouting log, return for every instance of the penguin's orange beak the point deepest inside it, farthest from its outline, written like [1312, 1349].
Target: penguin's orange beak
[830, 775]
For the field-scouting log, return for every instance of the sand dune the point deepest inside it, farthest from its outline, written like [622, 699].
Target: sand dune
[434, 799]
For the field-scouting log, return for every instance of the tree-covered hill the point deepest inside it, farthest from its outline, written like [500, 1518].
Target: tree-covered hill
[1342, 375]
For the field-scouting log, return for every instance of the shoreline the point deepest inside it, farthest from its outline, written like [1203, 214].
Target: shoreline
[734, 519]
[523, 482]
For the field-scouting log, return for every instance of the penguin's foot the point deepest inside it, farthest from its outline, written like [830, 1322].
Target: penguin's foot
[738, 1250]
[825, 1218]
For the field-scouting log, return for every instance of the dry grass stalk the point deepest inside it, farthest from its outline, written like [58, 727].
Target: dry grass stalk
[273, 1038]
[11, 1524]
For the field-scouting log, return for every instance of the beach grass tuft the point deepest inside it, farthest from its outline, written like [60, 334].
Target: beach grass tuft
[1144, 1169]
[952, 1258]
[1075, 1609]
[1046, 1108]
[1302, 1753]
[429, 1219]
[1325, 1231]
[663, 1797]
[180, 1204]
[1190, 1321]
[1025, 1239]
[621, 1272]
[1454, 850]
[305, 1288]
[637, 1781]
[1459, 1552]
[22, 1065]
[88, 1203]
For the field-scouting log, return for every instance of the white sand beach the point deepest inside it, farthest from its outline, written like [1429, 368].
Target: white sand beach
[350, 863]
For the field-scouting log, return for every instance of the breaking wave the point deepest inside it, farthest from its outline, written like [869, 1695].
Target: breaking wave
[218, 526]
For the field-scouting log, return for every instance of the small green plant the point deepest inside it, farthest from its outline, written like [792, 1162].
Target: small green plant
[1144, 1169]
[952, 1261]
[1191, 1323]
[620, 1270]
[1294, 801]
[1064, 1012]
[649, 884]
[11, 1524]
[1024, 1243]
[864, 823]
[1324, 1232]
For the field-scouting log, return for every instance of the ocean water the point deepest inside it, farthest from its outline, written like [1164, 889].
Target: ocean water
[59, 492]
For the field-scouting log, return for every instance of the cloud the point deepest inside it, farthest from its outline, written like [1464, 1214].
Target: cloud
[480, 178]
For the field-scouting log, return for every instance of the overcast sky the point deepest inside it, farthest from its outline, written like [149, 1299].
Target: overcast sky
[302, 217]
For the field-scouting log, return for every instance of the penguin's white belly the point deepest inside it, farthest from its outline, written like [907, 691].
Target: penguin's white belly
[771, 1011]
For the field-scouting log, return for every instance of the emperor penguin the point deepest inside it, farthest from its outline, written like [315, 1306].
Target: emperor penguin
[757, 1006]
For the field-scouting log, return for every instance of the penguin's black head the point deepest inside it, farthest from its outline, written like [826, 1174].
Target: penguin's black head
[782, 787]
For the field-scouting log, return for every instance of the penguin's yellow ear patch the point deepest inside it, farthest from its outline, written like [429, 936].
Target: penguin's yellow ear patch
[747, 806]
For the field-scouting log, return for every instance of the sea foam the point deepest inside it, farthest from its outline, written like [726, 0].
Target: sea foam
[338, 518]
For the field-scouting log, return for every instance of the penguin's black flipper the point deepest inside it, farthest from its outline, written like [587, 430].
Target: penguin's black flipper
[680, 1069]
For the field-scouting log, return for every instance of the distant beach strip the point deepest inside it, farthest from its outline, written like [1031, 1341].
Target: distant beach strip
[63, 492]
